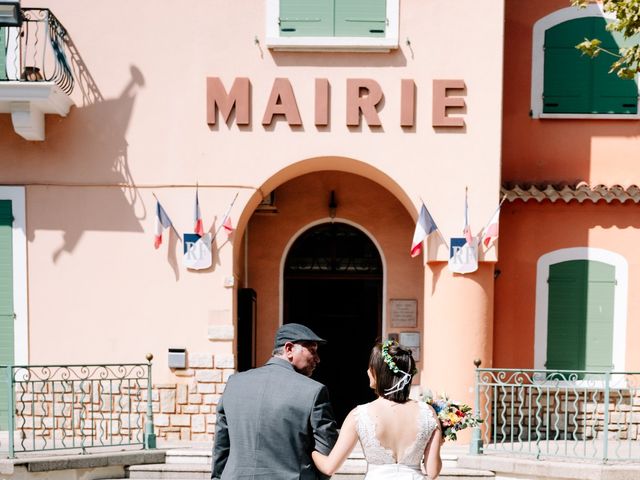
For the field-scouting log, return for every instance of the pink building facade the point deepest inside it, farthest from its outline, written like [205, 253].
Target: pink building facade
[321, 146]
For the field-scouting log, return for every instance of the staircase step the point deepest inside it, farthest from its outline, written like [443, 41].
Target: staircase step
[171, 471]
[465, 473]
[191, 456]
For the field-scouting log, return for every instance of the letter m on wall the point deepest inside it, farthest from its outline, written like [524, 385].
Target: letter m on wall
[218, 100]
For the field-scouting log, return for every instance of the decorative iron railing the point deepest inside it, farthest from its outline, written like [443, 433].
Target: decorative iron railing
[36, 51]
[554, 413]
[83, 407]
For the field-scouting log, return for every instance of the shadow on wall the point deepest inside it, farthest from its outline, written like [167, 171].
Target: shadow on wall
[97, 133]
[83, 165]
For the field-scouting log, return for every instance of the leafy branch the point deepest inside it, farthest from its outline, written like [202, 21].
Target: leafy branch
[627, 22]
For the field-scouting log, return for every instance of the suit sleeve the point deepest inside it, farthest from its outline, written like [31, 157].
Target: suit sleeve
[323, 423]
[220, 443]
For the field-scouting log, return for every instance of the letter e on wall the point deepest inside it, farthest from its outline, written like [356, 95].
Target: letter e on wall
[442, 103]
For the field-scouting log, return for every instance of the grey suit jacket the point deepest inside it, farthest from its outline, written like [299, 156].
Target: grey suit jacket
[269, 420]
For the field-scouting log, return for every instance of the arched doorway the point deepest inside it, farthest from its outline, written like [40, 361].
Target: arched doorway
[333, 284]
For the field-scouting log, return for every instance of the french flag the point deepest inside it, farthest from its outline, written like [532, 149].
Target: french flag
[198, 218]
[491, 232]
[162, 221]
[227, 225]
[424, 228]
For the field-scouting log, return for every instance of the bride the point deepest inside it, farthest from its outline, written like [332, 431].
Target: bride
[401, 438]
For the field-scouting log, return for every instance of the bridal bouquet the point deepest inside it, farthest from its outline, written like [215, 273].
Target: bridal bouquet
[454, 416]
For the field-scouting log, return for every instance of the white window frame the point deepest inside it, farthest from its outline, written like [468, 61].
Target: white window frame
[619, 303]
[19, 246]
[537, 70]
[355, 44]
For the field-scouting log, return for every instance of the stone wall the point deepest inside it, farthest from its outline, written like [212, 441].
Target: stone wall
[187, 410]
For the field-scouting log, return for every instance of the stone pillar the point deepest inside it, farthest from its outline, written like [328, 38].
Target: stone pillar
[458, 328]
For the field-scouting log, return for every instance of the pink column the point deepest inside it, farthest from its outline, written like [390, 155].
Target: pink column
[458, 328]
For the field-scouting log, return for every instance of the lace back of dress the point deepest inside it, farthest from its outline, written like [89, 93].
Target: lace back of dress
[376, 454]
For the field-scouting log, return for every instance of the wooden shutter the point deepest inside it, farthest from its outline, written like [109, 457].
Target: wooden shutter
[612, 94]
[575, 83]
[3, 53]
[565, 327]
[6, 303]
[580, 316]
[567, 73]
[601, 282]
[308, 18]
[360, 18]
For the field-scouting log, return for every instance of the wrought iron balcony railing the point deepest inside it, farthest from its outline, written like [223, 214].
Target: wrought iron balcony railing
[36, 51]
[585, 415]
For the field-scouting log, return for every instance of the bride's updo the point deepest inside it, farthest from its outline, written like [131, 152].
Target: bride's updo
[393, 367]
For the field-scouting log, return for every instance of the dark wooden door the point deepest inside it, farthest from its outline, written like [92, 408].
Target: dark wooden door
[333, 284]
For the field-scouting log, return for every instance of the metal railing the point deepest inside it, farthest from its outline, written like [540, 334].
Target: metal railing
[584, 415]
[37, 51]
[59, 407]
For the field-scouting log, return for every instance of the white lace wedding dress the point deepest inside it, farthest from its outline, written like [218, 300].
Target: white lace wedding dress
[381, 461]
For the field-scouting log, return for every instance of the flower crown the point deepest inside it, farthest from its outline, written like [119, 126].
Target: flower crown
[388, 359]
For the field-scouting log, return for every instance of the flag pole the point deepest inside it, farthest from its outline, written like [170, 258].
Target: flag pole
[224, 219]
[172, 227]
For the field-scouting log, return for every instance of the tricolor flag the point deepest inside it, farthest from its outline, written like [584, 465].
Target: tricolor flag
[424, 227]
[197, 218]
[162, 221]
[491, 232]
[228, 227]
[467, 229]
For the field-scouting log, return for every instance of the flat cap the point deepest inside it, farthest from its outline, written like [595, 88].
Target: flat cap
[294, 332]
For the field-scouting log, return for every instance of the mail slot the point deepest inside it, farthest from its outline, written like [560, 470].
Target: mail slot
[177, 358]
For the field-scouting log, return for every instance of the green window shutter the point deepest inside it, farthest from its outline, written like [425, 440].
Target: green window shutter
[6, 303]
[3, 53]
[565, 328]
[612, 94]
[575, 83]
[567, 73]
[601, 283]
[580, 316]
[308, 18]
[360, 18]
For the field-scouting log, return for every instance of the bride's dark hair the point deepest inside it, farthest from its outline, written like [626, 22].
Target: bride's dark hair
[385, 377]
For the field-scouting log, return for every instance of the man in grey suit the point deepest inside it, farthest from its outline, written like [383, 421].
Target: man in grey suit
[271, 418]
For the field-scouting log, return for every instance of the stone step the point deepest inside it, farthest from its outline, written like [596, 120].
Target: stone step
[353, 469]
[188, 455]
[195, 463]
[170, 471]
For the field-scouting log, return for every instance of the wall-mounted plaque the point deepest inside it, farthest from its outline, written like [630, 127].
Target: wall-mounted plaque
[404, 313]
[410, 339]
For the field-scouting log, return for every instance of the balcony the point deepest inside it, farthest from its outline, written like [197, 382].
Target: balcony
[35, 73]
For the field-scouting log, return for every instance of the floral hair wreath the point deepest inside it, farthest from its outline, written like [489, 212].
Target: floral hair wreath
[388, 359]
